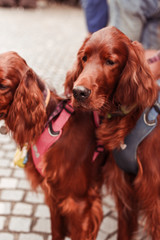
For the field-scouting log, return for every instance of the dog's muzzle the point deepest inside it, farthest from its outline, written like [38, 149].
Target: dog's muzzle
[81, 93]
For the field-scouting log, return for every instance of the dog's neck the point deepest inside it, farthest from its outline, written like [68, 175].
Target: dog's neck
[119, 124]
[50, 97]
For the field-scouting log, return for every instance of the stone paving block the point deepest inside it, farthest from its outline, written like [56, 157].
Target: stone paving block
[5, 172]
[19, 224]
[42, 211]
[24, 184]
[101, 235]
[106, 209]
[5, 208]
[30, 236]
[112, 237]
[8, 183]
[9, 147]
[109, 225]
[114, 214]
[2, 222]
[19, 173]
[1, 153]
[6, 236]
[110, 201]
[33, 197]
[5, 139]
[12, 195]
[10, 155]
[42, 225]
[22, 209]
[50, 238]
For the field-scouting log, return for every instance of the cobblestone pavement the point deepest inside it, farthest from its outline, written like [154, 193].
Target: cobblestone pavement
[48, 38]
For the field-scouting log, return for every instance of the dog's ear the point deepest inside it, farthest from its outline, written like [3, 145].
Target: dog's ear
[27, 114]
[136, 85]
[71, 77]
[73, 74]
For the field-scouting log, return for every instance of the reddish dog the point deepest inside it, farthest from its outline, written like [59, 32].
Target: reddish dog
[70, 180]
[112, 76]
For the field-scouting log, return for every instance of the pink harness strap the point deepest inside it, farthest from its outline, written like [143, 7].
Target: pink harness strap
[53, 131]
[99, 147]
[49, 136]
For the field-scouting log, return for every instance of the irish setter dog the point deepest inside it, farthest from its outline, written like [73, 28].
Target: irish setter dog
[71, 181]
[112, 76]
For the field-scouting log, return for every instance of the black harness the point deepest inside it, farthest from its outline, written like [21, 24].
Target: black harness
[126, 156]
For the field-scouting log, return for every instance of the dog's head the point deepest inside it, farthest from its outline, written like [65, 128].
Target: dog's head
[21, 99]
[110, 71]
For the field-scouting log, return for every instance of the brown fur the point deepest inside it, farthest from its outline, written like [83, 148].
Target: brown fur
[71, 182]
[115, 71]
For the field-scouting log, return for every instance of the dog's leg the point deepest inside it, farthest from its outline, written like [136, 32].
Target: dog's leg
[94, 216]
[89, 220]
[57, 224]
[153, 220]
[127, 221]
[83, 216]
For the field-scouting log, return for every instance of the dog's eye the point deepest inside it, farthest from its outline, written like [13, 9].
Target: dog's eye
[84, 59]
[3, 87]
[109, 62]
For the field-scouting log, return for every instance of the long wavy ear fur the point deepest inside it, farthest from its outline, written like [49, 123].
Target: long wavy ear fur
[73, 74]
[136, 85]
[71, 77]
[27, 113]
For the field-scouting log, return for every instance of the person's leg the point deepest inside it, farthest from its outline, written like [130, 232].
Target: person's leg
[96, 14]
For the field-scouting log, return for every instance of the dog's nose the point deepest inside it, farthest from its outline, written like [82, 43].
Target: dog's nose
[81, 93]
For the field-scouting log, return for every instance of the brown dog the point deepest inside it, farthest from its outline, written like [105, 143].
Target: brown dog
[71, 181]
[112, 76]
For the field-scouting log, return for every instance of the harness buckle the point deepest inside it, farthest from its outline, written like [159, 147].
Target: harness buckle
[146, 119]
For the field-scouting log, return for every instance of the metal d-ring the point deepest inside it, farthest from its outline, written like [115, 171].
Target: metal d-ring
[147, 121]
[51, 131]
